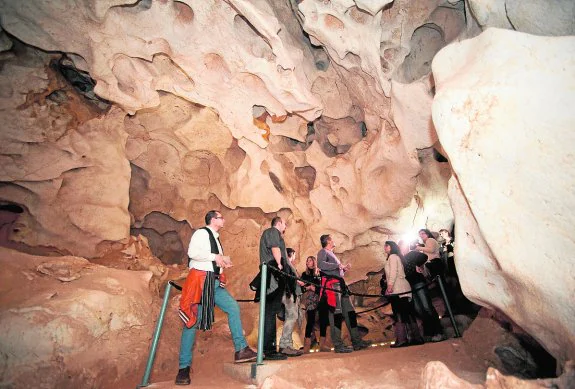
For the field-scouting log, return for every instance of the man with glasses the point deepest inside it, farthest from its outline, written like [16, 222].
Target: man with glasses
[204, 289]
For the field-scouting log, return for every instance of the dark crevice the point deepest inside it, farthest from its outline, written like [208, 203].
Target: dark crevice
[276, 182]
[507, 16]
[439, 157]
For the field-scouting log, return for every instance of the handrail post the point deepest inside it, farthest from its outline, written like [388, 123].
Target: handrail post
[261, 329]
[448, 306]
[156, 338]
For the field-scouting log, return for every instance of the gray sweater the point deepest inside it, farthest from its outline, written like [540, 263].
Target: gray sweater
[329, 263]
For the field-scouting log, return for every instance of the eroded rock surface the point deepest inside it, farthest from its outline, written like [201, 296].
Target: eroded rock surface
[147, 114]
[505, 119]
[67, 334]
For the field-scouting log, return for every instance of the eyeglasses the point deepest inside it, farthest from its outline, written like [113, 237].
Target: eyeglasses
[218, 217]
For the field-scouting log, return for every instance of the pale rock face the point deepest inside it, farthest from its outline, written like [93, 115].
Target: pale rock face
[210, 105]
[540, 17]
[204, 137]
[133, 52]
[502, 114]
[65, 164]
[437, 375]
[66, 334]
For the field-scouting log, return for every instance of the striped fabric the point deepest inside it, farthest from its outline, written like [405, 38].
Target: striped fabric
[208, 302]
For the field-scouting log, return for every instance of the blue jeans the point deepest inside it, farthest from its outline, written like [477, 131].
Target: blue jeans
[227, 304]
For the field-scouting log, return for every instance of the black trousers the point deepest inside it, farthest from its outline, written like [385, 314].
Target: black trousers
[322, 310]
[273, 307]
[425, 310]
[402, 309]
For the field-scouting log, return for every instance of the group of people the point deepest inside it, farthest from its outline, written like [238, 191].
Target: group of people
[284, 291]
[321, 290]
[407, 270]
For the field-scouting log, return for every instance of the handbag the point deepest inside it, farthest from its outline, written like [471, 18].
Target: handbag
[310, 300]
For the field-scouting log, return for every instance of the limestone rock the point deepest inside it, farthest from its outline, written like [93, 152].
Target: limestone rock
[537, 17]
[64, 269]
[502, 116]
[437, 375]
[167, 51]
[59, 334]
[136, 255]
[60, 160]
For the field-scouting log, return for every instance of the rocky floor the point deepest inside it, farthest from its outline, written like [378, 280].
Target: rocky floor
[376, 367]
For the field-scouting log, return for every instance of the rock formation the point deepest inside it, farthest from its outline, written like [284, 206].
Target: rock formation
[500, 121]
[127, 118]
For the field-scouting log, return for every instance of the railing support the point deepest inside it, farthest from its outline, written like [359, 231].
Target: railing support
[156, 338]
[263, 290]
[448, 306]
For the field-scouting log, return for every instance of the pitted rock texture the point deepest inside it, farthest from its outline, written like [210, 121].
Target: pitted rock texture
[147, 114]
[203, 112]
[497, 116]
[67, 334]
[62, 159]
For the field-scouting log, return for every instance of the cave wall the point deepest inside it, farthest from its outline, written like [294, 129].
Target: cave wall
[504, 115]
[136, 117]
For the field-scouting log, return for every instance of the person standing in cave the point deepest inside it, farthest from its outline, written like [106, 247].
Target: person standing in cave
[405, 326]
[424, 309]
[273, 253]
[430, 247]
[446, 249]
[203, 290]
[290, 300]
[338, 301]
[313, 307]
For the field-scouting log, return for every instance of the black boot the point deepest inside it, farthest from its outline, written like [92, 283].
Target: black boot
[400, 335]
[414, 334]
[338, 345]
[183, 377]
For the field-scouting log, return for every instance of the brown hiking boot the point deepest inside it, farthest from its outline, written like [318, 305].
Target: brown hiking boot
[307, 345]
[290, 352]
[245, 355]
[183, 377]
[323, 347]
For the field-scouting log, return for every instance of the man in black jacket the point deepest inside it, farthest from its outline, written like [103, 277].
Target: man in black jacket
[272, 250]
[432, 330]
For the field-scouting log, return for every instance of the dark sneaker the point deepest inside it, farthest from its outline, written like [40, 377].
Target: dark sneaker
[417, 342]
[291, 352]
[183, 377]
[362, 344]
[398, 345]
[343, 349]
[274, 356]
[437, 338]
[245, 355]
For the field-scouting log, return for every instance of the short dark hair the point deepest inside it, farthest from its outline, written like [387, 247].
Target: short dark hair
[290, 251]
[276, 220]
[211, 215]
[324, 239]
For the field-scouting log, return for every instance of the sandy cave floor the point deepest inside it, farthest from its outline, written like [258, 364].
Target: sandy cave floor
[376, 367]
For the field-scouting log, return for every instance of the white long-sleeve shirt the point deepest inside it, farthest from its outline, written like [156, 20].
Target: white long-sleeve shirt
[200, 250]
